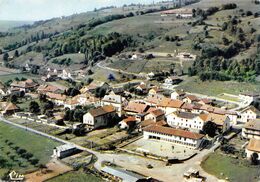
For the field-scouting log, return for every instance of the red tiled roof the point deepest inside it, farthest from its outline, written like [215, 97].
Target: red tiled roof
[129, 120]
[187, 106]
[167, 102]
[56, 96]
[47, 88]
[136, 107]
[102, 110]
[206, 101]
[157, 112]
[173, 132]
[253, 125]
[11, 107]
[192, 97]
[254, 145]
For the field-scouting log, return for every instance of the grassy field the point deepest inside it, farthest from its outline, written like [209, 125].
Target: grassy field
[5, 25]
[76, 177]
[214, 88]
[5, 78]
[40, 147]
[234, 169]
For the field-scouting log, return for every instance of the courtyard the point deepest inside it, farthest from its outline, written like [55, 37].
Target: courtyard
[162, 149]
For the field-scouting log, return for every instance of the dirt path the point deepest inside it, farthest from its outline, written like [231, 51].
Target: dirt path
[54, 168]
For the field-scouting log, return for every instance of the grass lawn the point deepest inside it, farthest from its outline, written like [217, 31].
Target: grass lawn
[39, 146]
[76, 177]
[214, 88]
[234, 169]
[5, 78]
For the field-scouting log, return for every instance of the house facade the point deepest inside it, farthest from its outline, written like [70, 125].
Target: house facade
[99, 117]
[155, 115]
[249, 113]
[170, 105]
[253, 147]
[177, 136]
[185, 120]
[115, 100]
[251, 129]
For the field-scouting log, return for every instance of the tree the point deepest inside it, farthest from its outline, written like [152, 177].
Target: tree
[43, 98]
[210, 128]
[16, 53]
[111, 77]
[5, 56]
[254, 159]
[13, 98]
[34, 107]
[72, 92]
[100, 92]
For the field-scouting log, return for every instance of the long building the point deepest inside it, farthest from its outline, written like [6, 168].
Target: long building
[251, 129]
[178, 136]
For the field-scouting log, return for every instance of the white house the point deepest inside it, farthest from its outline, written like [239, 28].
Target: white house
[178, 94]
[3, 89]
[170, 105]
[99, 117]
[253, 147]
[249, 113]
[172, 80]
[155, 115]
[251, 129]
[127, 123]
[222, 121]
[64, 151]
[58, 99]
[190, 99]
[185, 120]
[249, 97]
[177, 136]
[115, 100]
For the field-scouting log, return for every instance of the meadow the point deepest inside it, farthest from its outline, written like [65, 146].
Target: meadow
[23, 151]
[223, 166]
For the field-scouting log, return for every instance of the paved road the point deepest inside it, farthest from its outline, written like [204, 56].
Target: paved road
[137, 163]
[117, 70]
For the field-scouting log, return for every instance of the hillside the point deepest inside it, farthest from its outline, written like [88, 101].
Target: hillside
[105, 33]
[7, 25]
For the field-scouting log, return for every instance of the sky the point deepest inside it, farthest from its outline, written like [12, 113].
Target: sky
[31, 10]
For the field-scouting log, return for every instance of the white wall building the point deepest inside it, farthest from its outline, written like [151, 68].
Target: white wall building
[115, 100]
[251, 129]
[64, 151]
[185, 120]
[99, 117]
[249, 113]
[177, 136]
[253, 147]
[178, 94]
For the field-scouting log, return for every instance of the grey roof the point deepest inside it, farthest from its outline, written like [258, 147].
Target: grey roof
[126, 176]
[65, 147]
[185, 115]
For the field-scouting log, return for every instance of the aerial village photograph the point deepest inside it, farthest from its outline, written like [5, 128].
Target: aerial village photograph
[130, 90]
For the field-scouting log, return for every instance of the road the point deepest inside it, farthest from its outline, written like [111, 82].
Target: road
[137, 163]
[118, 70]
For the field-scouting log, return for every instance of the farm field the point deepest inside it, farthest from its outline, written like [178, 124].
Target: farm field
[233, 169]
[7, 77]
[215, 88]
[76, 177]
[13, 140]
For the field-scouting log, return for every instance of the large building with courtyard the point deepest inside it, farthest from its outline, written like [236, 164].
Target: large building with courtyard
[177, 136]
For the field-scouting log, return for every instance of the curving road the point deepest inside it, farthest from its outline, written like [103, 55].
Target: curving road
[137, 163]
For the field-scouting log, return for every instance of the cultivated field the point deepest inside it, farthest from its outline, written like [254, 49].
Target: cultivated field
[14, 142]
[76, 177]
[223, 166]
[215, 88]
